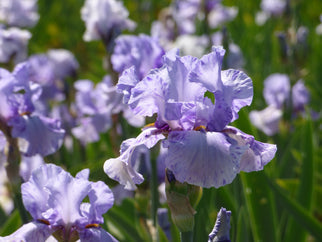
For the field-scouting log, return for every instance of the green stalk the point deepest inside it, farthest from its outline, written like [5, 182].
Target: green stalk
[186, 236]
[12, 170]
[154, 191]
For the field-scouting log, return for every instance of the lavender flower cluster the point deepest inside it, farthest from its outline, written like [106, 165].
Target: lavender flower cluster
[173, 76]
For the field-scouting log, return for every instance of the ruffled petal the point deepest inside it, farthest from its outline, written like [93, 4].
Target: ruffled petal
[33, 231]
[101, 199]
[126, 82]
[204, 159]
[148, 96]
[122, 172]
[257, 155]
[238, 89]
[66, 196]
[181, 88]
[208, 70]
[121, 169]
[34, 195]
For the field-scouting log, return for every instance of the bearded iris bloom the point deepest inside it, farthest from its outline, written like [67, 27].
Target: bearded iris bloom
[105, 19]
[37, 134]
[19, 13]
[55, 201]
[141, 51]
[279, 95]
[13, 44]
[194, 101]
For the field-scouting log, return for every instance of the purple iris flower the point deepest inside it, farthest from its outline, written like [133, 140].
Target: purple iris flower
[94, 116]
[220, 14]
[277, 93]
[194, 101]
[36, 134]
[141, 51]
[273, 7]
[55, 201]
[13, 44]
[220, 232]
[95, 106]
[19, 13]
[270, 8]
[300, 96]
[50, 70]
[277, 89]
[184, 14]
[267, 119]
[105, 19]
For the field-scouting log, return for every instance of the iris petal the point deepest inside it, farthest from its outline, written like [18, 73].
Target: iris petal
[121, 169]
[203, 159]
[96, 234]
[33, 231]
[42, 135]
[257, 155]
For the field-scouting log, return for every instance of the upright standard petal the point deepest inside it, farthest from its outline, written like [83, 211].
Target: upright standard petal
[34, 195]
[148, 96]
[208, 70]
[101, 199]
[238, 89]
[126, 82]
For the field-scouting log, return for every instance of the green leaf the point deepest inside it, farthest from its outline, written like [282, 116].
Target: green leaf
[302, 216]
[242, 226]
[305, 190]
[260, 206]
[124, 220]
[259, 201]
[161, 235]
[12, 224]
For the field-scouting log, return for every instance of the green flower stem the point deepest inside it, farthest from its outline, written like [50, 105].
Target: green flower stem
[186, 236]
[12, 169]
[154, 191]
